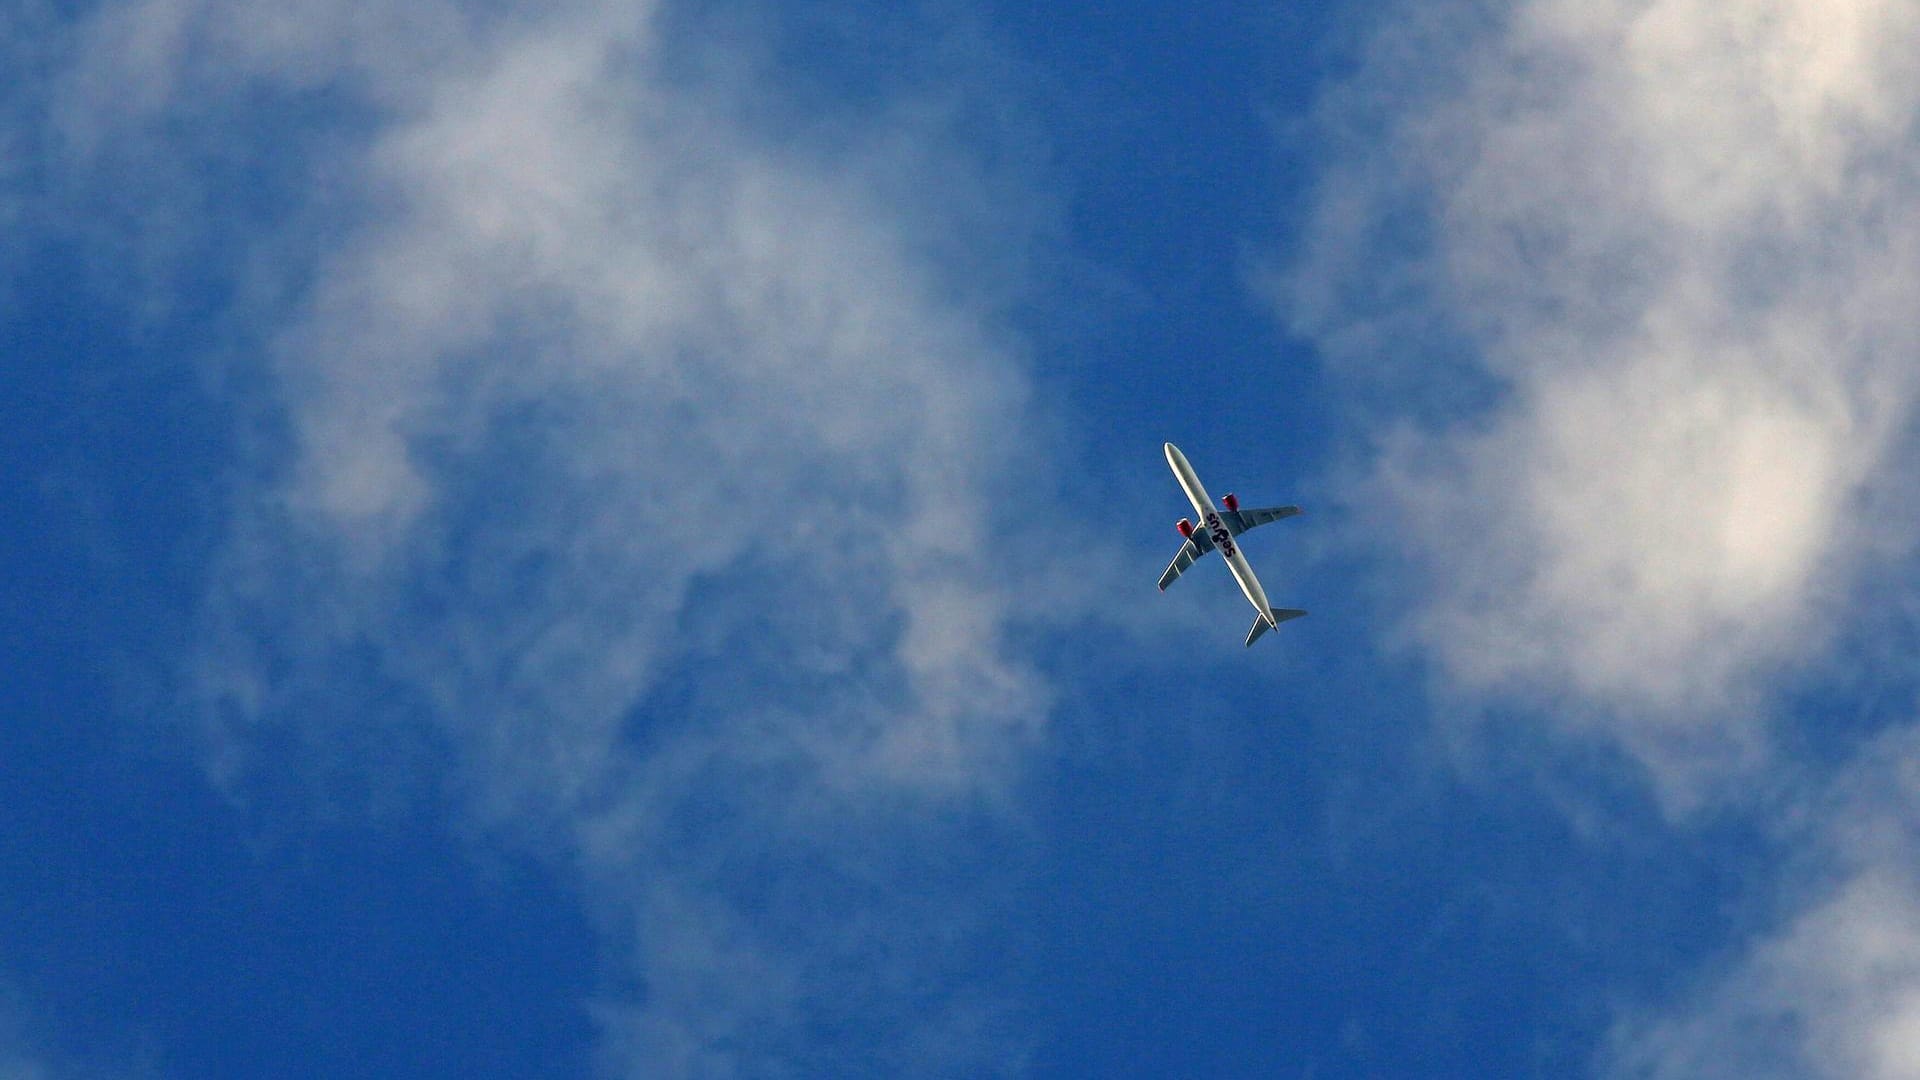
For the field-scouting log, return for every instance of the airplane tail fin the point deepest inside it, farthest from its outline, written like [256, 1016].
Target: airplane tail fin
[1261, 625]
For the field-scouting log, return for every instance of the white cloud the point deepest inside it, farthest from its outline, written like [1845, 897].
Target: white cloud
[635, 452]
[1660, 257]
[1834, 994]
[1622, 291]
[1834, 990]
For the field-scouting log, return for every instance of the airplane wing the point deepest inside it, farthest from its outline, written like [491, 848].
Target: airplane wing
[1198, 545]
[1239, 521]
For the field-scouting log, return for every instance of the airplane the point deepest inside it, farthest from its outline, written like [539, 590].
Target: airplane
[1219, 528]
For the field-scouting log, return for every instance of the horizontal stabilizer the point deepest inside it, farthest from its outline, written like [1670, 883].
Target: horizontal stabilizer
[1280, 615]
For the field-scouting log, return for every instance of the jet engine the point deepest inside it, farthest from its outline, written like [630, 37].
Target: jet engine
[1186, 528]
[1231, 502]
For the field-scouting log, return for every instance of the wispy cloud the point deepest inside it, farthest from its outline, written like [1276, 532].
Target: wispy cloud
[1834, 990]
[1643, 268]
[621, 437]
[1622, 292]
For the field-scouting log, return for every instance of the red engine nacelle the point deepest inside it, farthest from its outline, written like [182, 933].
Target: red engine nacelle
[1186, 528]
[1231, 502]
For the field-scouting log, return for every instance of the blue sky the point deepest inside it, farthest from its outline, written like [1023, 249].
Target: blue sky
[616, 538]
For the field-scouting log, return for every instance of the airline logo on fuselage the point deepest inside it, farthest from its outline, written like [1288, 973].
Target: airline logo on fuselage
[1222, 539]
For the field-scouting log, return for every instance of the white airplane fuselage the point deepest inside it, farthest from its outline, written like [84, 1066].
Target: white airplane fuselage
[1210, 521]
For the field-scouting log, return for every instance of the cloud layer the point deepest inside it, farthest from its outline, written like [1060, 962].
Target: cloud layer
[1646, 266]
[1623, 292]
[1834, 989]
[618, 438]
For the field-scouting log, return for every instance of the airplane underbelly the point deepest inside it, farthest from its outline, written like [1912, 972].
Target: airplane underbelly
[1217, 532]
[1190, 483]
[1236, 560]
[1197, 495]
[1249, 584]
